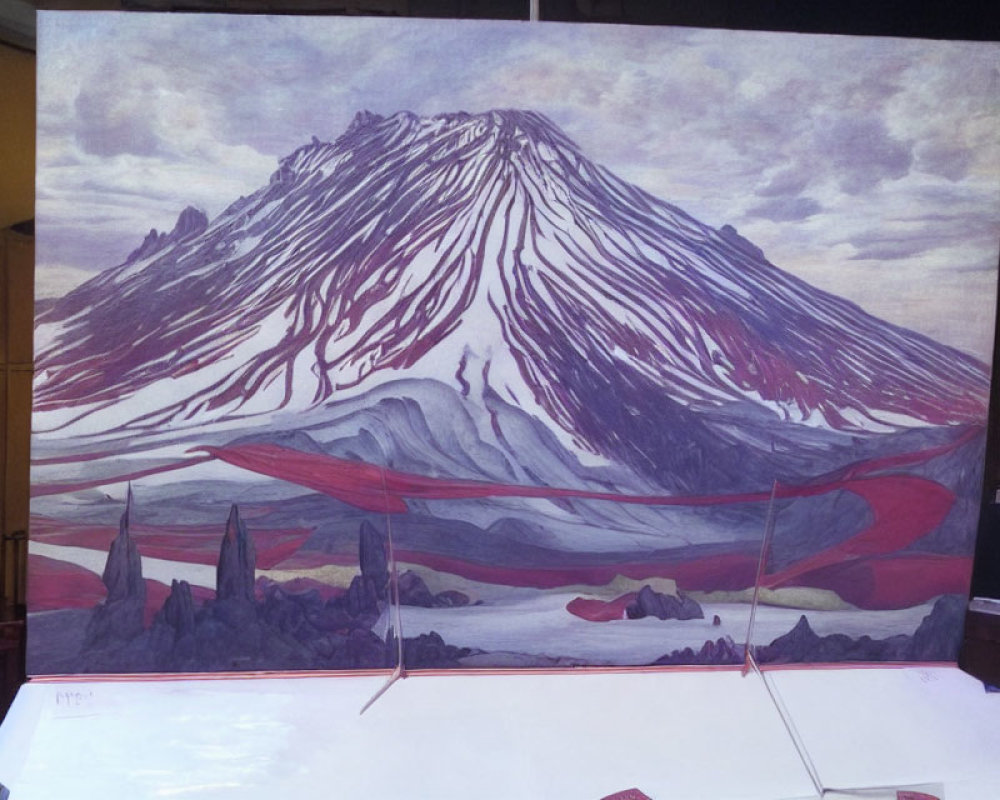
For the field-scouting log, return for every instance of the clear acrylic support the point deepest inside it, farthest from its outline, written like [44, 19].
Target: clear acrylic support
[751, 665]
[749, 650]
[394, 619]
[923, 791]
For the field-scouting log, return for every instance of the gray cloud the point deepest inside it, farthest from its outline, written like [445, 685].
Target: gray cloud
[789, 181]
[786, 209]
[947, 160]
[108, 124]
[108, 190]
[888, 249]
[863, 152]
[942, 219]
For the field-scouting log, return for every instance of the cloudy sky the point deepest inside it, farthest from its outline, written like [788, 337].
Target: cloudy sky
[870, 167]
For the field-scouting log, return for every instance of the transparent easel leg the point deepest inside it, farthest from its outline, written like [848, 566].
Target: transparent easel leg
[749, 650]
[394, 631]
[786, 720]
[750, 664]
[921, 791]
[926, 791]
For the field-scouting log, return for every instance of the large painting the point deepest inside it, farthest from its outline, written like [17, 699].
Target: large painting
[498, 344]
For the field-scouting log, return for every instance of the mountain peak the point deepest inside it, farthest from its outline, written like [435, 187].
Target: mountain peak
[487, 128]
[488, 244]
[514, 136]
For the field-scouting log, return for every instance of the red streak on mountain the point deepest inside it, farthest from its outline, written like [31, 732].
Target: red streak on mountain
[58, 584]
[899, 581]
[384, 490]
[867, 570]
[904, 509]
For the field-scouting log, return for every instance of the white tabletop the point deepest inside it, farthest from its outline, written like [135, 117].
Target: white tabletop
[679, 734]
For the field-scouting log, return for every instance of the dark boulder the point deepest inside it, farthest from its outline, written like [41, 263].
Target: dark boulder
[414, 592]
[450, 598]
[650, 603]
[429, 651]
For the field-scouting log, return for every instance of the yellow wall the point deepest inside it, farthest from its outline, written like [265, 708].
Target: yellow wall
[17, 204]
[17, 136]
[16, 312]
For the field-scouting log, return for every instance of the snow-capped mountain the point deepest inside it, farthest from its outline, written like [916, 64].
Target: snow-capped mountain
[487, 252]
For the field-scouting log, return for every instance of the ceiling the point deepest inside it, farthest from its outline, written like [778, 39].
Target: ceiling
[958, 19]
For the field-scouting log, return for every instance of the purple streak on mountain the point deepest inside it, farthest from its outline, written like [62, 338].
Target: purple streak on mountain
[620, 318]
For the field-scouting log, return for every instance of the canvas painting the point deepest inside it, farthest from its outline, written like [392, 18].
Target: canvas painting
[497, 344]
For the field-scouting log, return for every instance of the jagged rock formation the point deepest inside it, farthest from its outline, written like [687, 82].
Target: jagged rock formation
[722, 651]
[178, 609]
[650, 603]
[287, 630]
[451, 598]
[369, 591]
[414, 592]
[373, 559]
[936, 639]
[940, 633]
[236, 631]
[172, 636]
[802, 645]
[191, 222]
[236, 571]
[120, 617]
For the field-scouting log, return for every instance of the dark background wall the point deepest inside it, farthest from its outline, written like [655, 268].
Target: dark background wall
[961, 19]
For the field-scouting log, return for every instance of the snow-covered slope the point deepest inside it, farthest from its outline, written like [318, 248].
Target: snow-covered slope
[485, 251]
